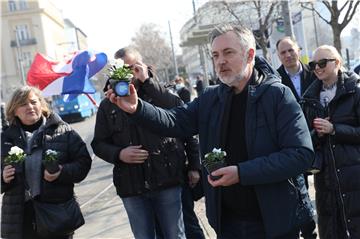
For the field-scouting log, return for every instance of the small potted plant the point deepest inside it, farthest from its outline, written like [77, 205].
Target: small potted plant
[15, 158]
[213, 161]
[50, 161]
[119, 78]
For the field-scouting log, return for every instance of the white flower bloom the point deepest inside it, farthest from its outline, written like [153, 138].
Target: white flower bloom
[51, 152]
[215, 150]
[118, 63]
[15, 150]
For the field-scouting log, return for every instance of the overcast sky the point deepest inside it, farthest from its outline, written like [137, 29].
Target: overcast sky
[110, 24]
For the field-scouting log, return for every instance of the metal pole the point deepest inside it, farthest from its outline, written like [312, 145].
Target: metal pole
[315, 27]
[19, 56]
[173, 51]
[347, 58]
[288, 26]
[194, 11]
[304, 39]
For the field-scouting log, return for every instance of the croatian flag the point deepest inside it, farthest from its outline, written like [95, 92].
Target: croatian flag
[70, 77]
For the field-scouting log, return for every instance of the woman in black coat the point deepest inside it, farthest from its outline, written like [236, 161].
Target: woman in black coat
[35, 130]
[332, 107]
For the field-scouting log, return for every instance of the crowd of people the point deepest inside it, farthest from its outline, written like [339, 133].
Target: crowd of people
[277, 127]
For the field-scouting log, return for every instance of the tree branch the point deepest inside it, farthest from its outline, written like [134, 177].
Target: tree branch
[349, 13]
[346, 3]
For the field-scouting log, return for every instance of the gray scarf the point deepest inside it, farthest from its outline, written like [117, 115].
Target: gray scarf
[33, 160]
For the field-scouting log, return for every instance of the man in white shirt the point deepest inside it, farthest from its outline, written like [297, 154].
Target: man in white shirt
[294, 74]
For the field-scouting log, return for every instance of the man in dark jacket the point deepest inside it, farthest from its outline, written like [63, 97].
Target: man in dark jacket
[294, 74]
[297, 76]
[199, 85]
[181, 89]
[257, 121]
[147, 167]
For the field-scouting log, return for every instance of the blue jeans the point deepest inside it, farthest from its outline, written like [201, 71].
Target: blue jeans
[249, 229]
[165, 205]
[192, 227]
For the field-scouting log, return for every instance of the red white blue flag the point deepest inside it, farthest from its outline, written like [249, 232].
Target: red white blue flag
[69, 77]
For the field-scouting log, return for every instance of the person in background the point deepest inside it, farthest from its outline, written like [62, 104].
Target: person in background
[191, 222]
[294, 74]
[258, 123]
[297, 76]
[182, 91]
[4, 122]
[357, 69]
[148, 168]
[332, 107]
[35, 129]
[199, 85]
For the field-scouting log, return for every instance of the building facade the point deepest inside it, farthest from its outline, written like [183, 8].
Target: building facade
[30, 27]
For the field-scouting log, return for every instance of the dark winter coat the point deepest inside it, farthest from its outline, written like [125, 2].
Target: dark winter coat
[73, 156]
[278, 145]
[184, 94]
[338, 183]
[306, 78]
[114, 131]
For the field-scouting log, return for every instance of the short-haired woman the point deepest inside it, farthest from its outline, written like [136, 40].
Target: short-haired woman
[35, 129]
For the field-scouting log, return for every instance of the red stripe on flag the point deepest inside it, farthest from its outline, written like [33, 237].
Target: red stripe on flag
[41, 72]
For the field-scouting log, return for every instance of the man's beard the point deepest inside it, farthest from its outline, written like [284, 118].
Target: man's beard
[234, 80]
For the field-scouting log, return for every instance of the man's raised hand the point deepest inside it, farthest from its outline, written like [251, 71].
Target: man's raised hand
[126, 103]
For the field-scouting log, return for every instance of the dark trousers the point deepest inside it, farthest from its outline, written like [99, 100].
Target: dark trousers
[191, 222]
[29, 225]
[248, 229]
[308, 230]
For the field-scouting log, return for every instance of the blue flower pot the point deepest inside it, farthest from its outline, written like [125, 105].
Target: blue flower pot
[120, 87]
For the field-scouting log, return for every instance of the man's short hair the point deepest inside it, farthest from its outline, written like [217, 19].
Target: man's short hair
[246, 37]
[121, 53]
[287, 38]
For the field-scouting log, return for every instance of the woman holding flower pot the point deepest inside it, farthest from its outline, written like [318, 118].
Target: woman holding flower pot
[33, 131]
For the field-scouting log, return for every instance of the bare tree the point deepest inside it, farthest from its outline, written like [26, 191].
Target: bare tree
[348, 8]
[155, 50]
[265, 15]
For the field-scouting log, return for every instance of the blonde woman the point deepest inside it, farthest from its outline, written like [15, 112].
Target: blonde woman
[332, 107]
[35, 129]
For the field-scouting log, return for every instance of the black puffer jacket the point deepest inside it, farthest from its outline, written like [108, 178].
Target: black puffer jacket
[338, 183]
[114, 131]
[73, 156]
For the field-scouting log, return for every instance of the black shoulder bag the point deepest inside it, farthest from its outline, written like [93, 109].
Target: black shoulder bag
[57, 219]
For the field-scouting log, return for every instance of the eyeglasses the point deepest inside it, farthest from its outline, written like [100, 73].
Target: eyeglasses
[321, 63]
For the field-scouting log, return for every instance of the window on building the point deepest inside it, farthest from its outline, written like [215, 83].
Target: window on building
[12, 5]
[26, 59]
[22, 32]
[22, 4]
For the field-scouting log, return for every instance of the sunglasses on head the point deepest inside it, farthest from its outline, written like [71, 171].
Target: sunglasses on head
[321, 63]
